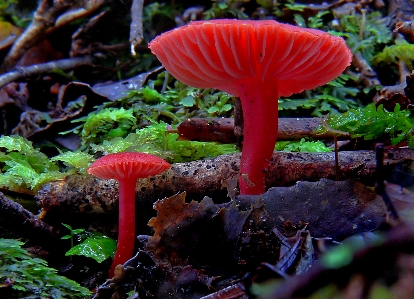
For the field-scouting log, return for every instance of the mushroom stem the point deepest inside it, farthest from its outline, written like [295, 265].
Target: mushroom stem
[260, 114]
[126, 226]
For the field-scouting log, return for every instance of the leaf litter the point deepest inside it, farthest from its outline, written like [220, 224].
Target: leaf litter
[199, 247]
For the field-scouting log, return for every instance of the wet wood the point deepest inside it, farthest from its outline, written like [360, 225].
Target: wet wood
[222, 129]
[89, 195]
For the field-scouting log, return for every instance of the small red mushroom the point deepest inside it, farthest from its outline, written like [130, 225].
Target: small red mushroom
[126, 168]
[258, 61]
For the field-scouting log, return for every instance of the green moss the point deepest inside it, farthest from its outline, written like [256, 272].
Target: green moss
[390, 56]
[303, 146]
[106, 124]
[155, 140]
[24, 168]
[372, 122]
[23, 276]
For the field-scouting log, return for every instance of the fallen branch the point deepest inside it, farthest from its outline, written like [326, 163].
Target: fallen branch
[222, 129]
[89, 195]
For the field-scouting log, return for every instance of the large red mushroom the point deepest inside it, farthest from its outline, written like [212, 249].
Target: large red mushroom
[258, 61]
[126, 168]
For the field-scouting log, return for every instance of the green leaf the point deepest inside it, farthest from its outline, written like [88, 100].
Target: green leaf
[67, 226]
[78, 231]
[24, 167]
[343, 254]
[98, 125]
[98, 247]
[188, 101]
[222, 5]
[213, 109]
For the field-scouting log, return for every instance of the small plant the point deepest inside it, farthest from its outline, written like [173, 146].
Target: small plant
[22, 276]
[92, 244]
[97, 246]
[73, 233]
[221, 104]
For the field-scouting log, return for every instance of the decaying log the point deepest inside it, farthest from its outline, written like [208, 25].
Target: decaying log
[89, 195]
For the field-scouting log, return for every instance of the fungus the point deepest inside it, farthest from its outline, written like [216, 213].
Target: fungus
[258, 61]
[126, 168]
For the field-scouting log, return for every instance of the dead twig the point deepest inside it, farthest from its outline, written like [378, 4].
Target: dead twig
[136, 30]
[368, 76]
[64, 64]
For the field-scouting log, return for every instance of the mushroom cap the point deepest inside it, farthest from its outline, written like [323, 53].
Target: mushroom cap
[132, 165]
[218, 53]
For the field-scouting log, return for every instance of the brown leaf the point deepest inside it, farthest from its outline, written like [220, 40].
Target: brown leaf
[194, 233]
[176, 226]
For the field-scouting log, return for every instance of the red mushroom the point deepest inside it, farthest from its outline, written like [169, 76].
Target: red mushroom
[258, 61]
[126, 168]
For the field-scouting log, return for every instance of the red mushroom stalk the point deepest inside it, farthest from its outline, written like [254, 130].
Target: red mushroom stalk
[260, 116]
[126, 168]
[258, 61]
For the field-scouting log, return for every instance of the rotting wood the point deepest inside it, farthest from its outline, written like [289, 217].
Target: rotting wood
[89, 195]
